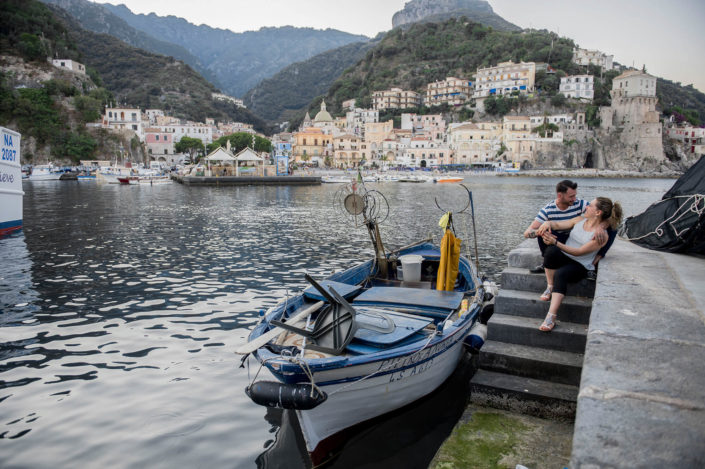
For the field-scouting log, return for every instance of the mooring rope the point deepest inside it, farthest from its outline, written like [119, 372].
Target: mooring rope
[697, 206]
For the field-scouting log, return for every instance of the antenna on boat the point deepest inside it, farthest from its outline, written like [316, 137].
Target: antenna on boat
[471, 206]
[365, 207]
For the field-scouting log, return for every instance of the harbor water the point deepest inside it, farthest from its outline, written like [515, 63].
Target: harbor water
[120, 308]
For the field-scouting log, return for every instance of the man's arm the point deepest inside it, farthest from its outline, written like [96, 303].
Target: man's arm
[532, 229]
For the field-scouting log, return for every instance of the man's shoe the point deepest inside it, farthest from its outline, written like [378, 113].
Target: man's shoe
[537, 270]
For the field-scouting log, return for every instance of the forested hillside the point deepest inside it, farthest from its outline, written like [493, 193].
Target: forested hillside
[426, 52]
[95, 17]
[284, 96]
[48, 106]
[239, 60]
[145, 80]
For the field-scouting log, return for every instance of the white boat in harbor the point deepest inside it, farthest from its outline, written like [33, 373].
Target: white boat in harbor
[370, 339]
[335, 179]
[45, 172]
[10, 182]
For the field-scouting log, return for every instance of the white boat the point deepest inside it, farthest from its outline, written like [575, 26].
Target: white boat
[415, 178]
[45, 172]
[10, 182]
[368, 340]
[335, 179]
[110, 174]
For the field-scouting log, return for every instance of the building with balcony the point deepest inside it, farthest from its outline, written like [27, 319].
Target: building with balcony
[124, 119]
[312, 145]
[453, 91]
[587, 57]
[504, 79]
[578, 87]
[395, 98]
[518, 139]
[431, 124]
[474, 143]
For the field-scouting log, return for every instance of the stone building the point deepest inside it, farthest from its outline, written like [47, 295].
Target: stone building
[69, 65]
[473, 143]
[633, 114]
[518, 139]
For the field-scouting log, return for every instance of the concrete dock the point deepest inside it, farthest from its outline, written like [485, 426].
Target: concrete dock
[641, 392]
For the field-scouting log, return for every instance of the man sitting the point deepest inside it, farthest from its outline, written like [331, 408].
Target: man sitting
[566, 206]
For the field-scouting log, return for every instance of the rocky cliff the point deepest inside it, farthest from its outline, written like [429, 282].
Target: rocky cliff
[480, 11]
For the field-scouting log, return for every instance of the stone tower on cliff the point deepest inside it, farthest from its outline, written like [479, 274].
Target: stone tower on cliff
[633, 115]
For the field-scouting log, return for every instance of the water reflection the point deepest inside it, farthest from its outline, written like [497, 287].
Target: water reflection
[408, 437]
[121, 306]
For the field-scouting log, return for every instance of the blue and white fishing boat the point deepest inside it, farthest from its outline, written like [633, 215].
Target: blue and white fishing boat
[372, 338]
[11, 192]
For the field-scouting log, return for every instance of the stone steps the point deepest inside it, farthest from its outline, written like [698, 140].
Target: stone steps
[521, 368]
[524, 395]
[532, 362]
[523, 303]
[566, 336]
[516, 278]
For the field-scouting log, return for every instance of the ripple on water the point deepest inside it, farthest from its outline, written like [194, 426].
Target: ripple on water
[120, 316]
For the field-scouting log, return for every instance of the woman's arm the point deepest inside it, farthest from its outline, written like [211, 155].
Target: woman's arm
[558, 225]
[586, 248]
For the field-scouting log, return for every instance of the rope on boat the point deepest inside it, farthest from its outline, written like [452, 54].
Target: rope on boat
[697, 206]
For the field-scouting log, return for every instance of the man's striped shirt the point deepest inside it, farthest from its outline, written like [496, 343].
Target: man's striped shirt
[553, 213]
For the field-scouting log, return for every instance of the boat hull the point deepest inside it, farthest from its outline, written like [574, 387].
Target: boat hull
[11, 192]
[377, 395]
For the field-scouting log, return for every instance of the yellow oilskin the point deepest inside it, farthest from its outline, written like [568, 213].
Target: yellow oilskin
[450, 261]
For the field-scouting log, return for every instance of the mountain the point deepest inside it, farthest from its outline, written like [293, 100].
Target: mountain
[94, 17]
[284, 96]
[238, 61]
[146, 80]
[479, 11]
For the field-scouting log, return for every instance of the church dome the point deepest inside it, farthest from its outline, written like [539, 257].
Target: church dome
[323, 115]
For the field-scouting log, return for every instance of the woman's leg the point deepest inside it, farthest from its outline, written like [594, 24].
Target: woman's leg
[571, 272]
[553, 258]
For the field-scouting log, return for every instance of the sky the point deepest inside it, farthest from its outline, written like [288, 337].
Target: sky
[665, 36]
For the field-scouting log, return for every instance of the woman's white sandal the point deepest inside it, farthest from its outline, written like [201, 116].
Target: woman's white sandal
[546, 295]
[549, 323]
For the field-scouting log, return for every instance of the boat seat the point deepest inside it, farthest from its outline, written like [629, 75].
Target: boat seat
[433, 300]
[345, 290]
[335, 326]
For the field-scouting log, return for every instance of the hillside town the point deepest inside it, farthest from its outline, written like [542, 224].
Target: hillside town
[359, 138]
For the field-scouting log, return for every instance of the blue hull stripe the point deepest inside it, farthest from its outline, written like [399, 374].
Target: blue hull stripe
[10, 224]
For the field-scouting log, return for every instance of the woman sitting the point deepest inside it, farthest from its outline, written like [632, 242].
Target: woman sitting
[570, 262]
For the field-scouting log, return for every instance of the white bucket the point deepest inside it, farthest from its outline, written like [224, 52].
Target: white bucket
[411, 265]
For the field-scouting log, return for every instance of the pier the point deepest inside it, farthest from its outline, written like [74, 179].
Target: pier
[248, 180]
[625, 361]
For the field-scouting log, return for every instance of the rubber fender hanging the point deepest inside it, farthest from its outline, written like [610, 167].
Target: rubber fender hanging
[299, 396]
[476, 338]
[486, 313]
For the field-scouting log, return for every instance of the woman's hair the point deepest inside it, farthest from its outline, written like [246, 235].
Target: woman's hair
[611, 211]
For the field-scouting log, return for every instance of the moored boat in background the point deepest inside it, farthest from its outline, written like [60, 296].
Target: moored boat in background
[45, 172]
